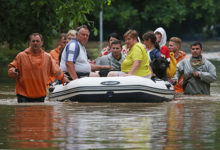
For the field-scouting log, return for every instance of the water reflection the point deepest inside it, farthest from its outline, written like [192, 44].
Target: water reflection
[32, 127]
[175, 124]
[181, 124]
[107, 126]
[189, 122]
[192, 125]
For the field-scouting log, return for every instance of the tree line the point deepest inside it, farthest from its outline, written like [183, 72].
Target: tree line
[183, 18]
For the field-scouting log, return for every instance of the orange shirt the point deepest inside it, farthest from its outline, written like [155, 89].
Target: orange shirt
[179, 56]
[34, 71]
[55, 53]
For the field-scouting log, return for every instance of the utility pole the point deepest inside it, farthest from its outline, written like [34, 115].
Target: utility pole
[101, 28]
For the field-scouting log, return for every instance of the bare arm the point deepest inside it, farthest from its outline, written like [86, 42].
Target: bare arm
[100, 67]
[71, 69]
[134, 67]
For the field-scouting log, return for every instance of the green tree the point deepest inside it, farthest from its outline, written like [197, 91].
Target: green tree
[178, 17]
[119, 17]
[20, 18]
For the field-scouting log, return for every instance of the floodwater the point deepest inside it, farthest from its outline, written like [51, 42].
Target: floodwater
[189, 122]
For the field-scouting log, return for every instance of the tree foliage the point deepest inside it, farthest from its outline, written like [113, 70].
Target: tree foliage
[20, 18]
[178, 17]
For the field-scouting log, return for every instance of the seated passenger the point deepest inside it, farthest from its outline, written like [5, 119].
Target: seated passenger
[153, 48]
[71, 34]
[74, 60]
[161, 36]
[106, 50]
[125, 49]
[55, 53]
[137, 60]
[158, 64]
[114, 58]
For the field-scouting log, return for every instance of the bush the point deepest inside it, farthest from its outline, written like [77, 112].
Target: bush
[6, 55]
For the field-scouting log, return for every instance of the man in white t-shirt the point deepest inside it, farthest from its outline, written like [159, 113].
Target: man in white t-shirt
[74, 60]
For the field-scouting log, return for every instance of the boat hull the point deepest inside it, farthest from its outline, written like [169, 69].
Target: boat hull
[114, 90]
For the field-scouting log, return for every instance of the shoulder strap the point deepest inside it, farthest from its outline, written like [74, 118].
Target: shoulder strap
[76, 52]
[60, 57]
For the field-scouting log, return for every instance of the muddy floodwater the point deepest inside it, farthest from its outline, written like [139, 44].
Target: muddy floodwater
[188, 122]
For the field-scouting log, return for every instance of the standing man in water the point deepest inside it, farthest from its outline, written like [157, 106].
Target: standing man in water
[31, 69]
[198, 72]
[55, 53]
[174, 46]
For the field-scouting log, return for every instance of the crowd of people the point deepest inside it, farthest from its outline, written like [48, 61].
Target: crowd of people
[34, 68]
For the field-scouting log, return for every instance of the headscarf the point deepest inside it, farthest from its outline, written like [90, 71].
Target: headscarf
[164, 36]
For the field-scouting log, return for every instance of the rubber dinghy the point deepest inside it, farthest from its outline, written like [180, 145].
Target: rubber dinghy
[113, 89]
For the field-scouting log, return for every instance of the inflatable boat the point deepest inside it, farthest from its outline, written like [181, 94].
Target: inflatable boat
[113, 89]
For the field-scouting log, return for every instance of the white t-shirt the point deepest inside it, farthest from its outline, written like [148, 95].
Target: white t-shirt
[76, 53]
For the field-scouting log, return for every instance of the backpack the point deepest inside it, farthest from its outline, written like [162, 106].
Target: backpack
[159, 67]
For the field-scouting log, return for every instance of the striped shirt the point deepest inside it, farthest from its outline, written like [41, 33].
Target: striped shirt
[76, 53]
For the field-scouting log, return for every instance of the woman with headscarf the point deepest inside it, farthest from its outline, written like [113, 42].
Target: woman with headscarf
[162, 39]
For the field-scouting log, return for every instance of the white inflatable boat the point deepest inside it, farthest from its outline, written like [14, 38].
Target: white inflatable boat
[113, 89]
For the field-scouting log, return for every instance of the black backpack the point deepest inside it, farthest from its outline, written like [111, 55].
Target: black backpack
[159, 67]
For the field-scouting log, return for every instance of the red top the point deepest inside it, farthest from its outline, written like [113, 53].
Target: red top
[165, 51]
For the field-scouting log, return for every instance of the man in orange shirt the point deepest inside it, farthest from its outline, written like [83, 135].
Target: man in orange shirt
[31, 69]
[56, 53]
[174, 46]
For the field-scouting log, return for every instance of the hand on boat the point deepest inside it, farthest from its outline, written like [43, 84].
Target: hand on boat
[125, 75]
[153, 74]
[66, 80]
[181, 83]
[173, 81]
